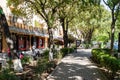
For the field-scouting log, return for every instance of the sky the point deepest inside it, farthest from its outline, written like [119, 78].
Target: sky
[104, 5]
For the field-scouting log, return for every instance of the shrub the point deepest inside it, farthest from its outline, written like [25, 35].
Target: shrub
[113, 64]
[102, 57]
[25, 60]
[102, 60]
[42, 66]
[59, 55]
[6, 74]
[64, 51]
[71, 50]
[51, 65]
[46, 54]
[98, 53]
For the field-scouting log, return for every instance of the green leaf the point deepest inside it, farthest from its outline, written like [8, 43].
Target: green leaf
[1, 11]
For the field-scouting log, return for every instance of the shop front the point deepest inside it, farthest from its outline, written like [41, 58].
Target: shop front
[41, 43]
[22, 42]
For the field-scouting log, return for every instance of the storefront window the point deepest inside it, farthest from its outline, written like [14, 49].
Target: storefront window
[13, 36]
[22, 43]
[34, 41]
[27, 43]
[40, 43]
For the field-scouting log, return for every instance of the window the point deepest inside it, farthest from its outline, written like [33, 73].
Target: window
[22, 43]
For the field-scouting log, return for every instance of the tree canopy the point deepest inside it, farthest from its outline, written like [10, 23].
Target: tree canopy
[85, 18]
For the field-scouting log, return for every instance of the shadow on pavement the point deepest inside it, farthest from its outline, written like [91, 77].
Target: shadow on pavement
[76, 66]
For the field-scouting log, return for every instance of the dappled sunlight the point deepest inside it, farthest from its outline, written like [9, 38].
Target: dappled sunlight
[76, 66]
[67, 71]
[76, 77]
[91, 67]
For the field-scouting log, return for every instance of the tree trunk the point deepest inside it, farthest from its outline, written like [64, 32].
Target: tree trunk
[50, 42]
[119, 42]
[65, 36]
[50, 39]
[112, 35]
[112, 31]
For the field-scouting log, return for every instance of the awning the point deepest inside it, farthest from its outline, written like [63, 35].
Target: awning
[28, 32]
[58, 40]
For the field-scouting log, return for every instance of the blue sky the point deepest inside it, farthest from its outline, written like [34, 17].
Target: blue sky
[104, 5]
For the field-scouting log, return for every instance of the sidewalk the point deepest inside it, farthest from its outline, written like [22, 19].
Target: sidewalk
[77, 66]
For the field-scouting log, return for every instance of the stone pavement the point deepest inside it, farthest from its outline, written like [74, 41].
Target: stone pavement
[77, 66]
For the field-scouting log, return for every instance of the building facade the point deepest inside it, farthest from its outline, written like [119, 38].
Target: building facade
[23, 36]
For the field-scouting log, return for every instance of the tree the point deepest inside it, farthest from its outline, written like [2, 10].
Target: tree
[103, 32]
[66, 13]
[114, 6]
[87, 20]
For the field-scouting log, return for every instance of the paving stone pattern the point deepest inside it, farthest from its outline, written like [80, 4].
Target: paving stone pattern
[77, 66]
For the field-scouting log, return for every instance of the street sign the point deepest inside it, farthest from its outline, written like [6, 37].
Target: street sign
[78, 43]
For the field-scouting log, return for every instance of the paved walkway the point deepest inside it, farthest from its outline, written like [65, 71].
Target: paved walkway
[77, 66]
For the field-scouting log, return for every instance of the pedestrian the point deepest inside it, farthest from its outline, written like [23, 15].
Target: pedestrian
[21, 55]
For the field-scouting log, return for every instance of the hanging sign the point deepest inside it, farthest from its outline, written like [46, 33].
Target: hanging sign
[78, 43]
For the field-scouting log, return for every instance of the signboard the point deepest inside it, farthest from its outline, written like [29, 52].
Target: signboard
[78, 43]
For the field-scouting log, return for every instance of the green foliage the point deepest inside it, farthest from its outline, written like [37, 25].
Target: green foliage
[59, 55]
[103, 57]
[51, 64]
[65, 51]
[16, 8]
[6, 74]
[71, 50]
[114, 7]
[103, 38]
[71, 39]
[25, 60]
[103, 32]
[74, 46]
[46, 53]
[98, 54]
[1, 11]
[112, 3]
[44, 65]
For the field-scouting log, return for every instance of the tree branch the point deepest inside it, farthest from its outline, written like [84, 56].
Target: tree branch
[106, 4]
[116, 17]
